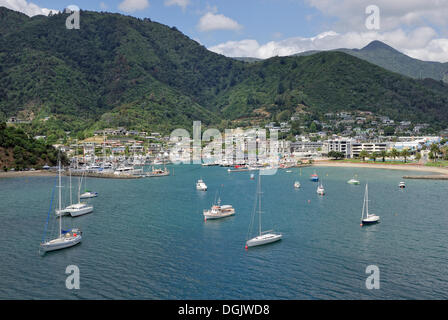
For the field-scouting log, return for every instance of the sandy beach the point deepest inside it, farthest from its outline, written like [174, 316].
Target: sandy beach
[411, 167]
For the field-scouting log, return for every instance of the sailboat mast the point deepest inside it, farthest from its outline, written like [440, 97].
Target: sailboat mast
[79, 188]
[367, 201]
[71, 199]
[60, 197]
[259, 204]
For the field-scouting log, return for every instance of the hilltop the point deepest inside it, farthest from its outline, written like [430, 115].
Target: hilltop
[119, 70]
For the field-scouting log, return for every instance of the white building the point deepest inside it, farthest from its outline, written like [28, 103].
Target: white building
[370, 147]
[339, 145]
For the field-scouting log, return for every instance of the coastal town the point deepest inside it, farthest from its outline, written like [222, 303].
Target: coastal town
[349, 136]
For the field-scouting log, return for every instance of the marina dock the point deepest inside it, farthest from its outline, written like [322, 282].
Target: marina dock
[430, 177]
[104, 175]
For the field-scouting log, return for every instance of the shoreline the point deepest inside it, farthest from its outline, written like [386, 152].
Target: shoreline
[443, 172]
[36, 173]
[405, 167]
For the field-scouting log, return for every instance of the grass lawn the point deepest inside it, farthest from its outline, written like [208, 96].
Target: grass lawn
[438, 163]
[378, 161]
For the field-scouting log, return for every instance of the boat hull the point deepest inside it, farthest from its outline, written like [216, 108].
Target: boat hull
[370, 220]
[59, 244]
[77, 213]
[88, 195]
[264, 239]
[208, 216]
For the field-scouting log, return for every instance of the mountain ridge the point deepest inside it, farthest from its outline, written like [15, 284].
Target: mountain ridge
[124, 71]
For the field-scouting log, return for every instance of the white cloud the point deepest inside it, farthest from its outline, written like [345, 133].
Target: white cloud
[28, 8]
[133, 5]
[103, 6]
[393, 14]
[419, 43]
[213, 21]
[181, 3]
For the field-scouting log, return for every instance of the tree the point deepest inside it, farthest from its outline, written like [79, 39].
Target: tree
[405, 153]
[363, 154]
[383, 154]
[389, 131]
[435, 150]
[444, 151]
[374, 155]
[336, 154]
[394, 153]
[418, 155]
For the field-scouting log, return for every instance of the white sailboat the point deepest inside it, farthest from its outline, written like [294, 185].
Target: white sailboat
[263, 237]
[65, 239]
[87, 193]
[77, 209]
[320, 189]
[366, 217]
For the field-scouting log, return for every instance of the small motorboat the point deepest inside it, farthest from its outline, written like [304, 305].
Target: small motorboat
[297, 184]
[353, 181]
[314, 177]
[88, 194]
[402, 185]
[201, 186]
[219, 211]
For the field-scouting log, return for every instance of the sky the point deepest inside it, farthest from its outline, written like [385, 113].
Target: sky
[266, 28]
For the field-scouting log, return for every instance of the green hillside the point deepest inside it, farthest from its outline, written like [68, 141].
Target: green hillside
[388, 58]
[19, 151]
[122, 71]
[334, 81]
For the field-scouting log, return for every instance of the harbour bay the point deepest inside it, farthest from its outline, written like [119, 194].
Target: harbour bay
[147, 239]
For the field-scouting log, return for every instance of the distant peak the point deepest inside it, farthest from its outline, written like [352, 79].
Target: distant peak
[377, 45]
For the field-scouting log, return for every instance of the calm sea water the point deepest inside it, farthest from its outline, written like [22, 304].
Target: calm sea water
[147, 239]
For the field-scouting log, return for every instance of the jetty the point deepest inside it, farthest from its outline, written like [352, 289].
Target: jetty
[104, 175]
[429, 177]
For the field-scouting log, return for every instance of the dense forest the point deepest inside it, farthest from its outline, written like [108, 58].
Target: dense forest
[119, 70]
[19, 151]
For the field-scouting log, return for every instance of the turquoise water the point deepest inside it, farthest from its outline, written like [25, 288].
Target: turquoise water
[147, 239]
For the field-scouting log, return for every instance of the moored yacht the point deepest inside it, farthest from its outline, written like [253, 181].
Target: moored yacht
[353, 181]
[218, 211]
[66, 238]
[320, 190]
[88, 194]
[263, 237]
[201, 186]
[366, 217]
[77, 209]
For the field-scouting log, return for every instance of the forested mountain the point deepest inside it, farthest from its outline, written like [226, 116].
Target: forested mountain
[122, 71]
[385, 56]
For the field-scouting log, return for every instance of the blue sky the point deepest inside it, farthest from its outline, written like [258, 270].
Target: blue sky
[265, 28]
[263, 20]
